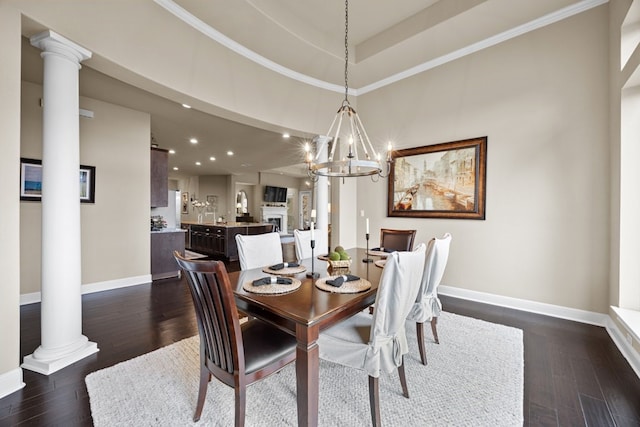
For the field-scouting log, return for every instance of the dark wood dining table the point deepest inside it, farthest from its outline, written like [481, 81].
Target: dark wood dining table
[304, 313]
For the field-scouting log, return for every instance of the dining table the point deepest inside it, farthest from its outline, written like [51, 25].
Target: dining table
[307, 311]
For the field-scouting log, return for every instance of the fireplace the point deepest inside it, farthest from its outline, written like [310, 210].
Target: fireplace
[277, 222]
[276, 215]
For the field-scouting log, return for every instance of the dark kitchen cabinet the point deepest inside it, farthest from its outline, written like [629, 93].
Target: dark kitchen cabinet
[163, 243]
[220, 240]
[159, 178]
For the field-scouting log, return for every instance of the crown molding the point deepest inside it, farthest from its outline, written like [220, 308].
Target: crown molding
[199, 25]
[535, 24]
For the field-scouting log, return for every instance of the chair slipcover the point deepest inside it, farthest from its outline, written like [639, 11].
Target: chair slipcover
[427, 303]
[259, 250]
[302, 240]
[377, 344]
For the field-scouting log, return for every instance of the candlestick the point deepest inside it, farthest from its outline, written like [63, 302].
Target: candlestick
[313, 274]
[367, 259]
[312, 237]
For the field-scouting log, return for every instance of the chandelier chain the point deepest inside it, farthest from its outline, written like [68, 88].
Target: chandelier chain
[346, 50]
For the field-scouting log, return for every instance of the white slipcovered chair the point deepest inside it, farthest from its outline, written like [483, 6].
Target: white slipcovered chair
[428, 306]
[378, 344]
[302, 240]
[259, 250]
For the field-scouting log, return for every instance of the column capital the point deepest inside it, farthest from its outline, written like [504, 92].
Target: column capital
[52, 42]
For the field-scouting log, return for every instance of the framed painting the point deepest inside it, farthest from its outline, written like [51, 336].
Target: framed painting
[305, 203]
[213, 200]
[445, 180]
[31, 181]
[185, 202]
[87, 184]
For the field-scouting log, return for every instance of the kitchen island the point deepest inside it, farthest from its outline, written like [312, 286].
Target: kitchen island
[219, 239]
[163, 243]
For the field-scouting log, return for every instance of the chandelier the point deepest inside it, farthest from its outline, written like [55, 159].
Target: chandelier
[356, 155]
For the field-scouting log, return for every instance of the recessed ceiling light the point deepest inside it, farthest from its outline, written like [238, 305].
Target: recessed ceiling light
[285, 135]
[186, 105]
[172, 151]
[213, 159]
[193, 141]
[197, 163]
[175, 168]
[229, 153]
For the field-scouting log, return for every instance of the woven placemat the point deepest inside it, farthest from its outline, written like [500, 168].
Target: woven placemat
[272, 289]
[378, 253]
[352, 287]
[380, 263]
[288, 271]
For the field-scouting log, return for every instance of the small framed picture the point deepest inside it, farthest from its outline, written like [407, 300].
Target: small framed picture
[31, 181]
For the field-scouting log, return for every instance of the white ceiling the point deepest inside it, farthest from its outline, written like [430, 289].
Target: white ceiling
[388, 40]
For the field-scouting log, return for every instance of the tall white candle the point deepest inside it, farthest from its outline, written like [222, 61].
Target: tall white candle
[367, 225]
[312, 238]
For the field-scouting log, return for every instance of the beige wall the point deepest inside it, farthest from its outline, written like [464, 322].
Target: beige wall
[9, 184]
[545, 112]
[115, 230]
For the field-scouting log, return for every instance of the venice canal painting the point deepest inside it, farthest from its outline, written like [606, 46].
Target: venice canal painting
[440, 181]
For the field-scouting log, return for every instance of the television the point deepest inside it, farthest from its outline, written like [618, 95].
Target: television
[275, 194]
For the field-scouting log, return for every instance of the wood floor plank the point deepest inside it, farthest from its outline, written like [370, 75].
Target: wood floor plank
[586, 379]
[542, 417]
[596, 412]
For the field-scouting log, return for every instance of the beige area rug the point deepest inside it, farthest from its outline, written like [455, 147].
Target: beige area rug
[474, 378]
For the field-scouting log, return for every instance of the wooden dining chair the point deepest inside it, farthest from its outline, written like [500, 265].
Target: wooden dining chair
[397, 240]
[378, 344]
[236, 355]
[259, 250]
[427, 307]
[302, 239]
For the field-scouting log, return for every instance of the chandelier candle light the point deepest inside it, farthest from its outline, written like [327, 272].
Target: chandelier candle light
[360, 157]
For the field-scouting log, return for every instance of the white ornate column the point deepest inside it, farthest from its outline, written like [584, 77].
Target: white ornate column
[62, 342]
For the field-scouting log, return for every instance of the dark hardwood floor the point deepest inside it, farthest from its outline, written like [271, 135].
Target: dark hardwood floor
[574, 374]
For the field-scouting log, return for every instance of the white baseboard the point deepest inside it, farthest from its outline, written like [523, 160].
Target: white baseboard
[94, 287]
[582, 316]
[623, 345]
[11, 382]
